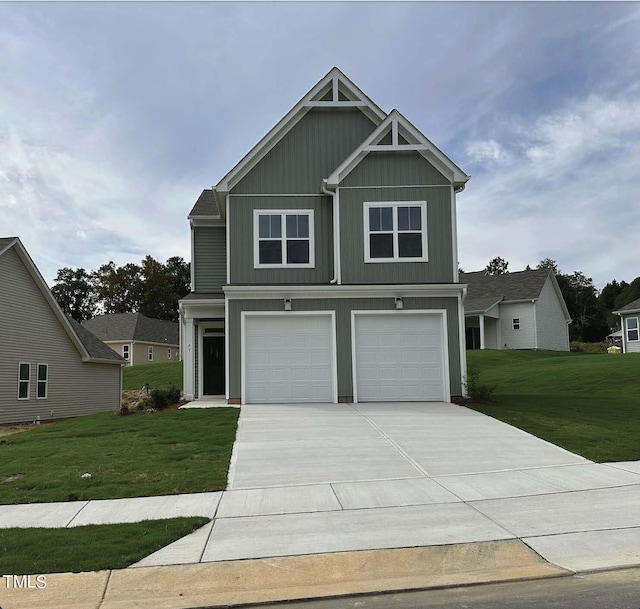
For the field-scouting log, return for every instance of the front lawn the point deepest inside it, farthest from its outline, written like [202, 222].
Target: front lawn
[157, 376]
[88, 548]
[588, 404]
[161, 453]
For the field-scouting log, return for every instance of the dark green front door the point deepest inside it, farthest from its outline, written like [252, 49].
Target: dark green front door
[213, 365]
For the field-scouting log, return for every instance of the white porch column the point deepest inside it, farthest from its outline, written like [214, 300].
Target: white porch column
[481, 317]
[189, 363]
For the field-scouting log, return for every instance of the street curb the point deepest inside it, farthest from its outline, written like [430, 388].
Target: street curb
[264, 580]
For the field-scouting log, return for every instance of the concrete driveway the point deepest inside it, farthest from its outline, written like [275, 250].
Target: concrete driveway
[309, 479]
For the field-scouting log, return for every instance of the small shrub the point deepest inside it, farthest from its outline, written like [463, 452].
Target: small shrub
[173, 394]
[163, 398]
[477, 391]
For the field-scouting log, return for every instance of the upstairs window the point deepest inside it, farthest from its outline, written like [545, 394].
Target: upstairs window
[169, 353]
[125, 352]
[150, 354]
[516, 323]
[43, 381]
[283, 239]
[395, 232]
[632, 329]
[24, 381]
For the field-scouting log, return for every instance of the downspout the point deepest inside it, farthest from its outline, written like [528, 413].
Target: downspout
[336, 232]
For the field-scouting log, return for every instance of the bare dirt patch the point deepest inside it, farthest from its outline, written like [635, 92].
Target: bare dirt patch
[7, 430]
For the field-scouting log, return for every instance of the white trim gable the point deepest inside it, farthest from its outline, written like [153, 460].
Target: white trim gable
[333, 90]
[404, 137]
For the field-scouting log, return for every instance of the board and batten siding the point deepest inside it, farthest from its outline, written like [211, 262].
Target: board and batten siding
[553, 330]
[308, 153]
[31, 333]
[209, 259]
[343, 308]
[440, 265]
[241, 236]
[524, 338]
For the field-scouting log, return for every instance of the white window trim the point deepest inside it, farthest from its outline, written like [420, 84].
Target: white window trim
[394, 205]
[28, 381]
[150, 354]
[38, 381]
[126, 352]
[168, 352]
[282, 212]
[628, 329]
[515, 322]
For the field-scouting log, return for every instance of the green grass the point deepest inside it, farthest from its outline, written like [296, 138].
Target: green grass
[586, 403]
[162, 453]
[158, 376]
[88, 548]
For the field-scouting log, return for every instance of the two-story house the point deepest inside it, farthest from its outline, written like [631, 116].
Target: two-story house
[324, 264]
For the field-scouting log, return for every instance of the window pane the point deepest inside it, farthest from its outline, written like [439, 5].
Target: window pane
[410, 245]
[403, 218]
[415, 218]
[632, 323]
[42, 389]
[297, 252]
[270, 252]
[23, 390]
[303, 226]
[42, 372]
[632, 335]
[276, 226]
[386, 218]
[263, 226]
[381, 246]
[374, 218]
[292, 226]
[24, 372]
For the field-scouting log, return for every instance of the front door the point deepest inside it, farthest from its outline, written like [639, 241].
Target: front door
[213, 365]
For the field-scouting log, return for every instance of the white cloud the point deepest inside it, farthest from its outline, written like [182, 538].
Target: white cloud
[488, 150]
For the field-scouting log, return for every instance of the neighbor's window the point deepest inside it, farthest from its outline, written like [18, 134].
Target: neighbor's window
[395, 232]
[24, 380]
[43, 381]
[168, 353]
[150, 354]
[283, 238]
[516, 323]
[632, 328]
[125, 352]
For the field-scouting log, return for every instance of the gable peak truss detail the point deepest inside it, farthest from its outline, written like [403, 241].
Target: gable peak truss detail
[397, 134]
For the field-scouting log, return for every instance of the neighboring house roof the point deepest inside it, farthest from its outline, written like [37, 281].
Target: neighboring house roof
[91, 349]
[133, 326]
[485, 291]
[206, 206]
[632, 307]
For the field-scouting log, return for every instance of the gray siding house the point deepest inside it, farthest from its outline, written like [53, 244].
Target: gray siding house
[521, 310]
[324, 264]
[629, 321]
[50, 366]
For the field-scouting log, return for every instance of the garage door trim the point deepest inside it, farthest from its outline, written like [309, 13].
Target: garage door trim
[243, 334]
[442, 313]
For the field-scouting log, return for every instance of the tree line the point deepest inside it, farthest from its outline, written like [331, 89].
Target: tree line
[591, 310]
[151, 288]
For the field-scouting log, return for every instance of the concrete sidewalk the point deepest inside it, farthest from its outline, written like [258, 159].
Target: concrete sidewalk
[346, 482]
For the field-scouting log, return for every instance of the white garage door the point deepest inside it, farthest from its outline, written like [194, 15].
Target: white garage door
[400, 357]
[288, 358]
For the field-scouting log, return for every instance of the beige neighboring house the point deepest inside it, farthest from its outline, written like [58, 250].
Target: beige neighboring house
[138, 339]
[630, 322]
[520, 310]
[50, 366]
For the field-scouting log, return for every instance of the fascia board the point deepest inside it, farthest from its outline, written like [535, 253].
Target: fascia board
[206, 221]
[626, 312]
[292, 117]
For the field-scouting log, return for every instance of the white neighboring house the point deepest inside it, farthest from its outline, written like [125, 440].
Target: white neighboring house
[630, 323]
[521, 310]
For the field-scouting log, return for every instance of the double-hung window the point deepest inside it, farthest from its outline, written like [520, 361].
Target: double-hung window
[395, 231]
[283, 238]
[516, 323]
[150, 354]
[24, 381]
[43, 381]
[632, 329]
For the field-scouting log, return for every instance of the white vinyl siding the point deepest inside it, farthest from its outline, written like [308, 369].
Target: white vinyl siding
[524, 337]
[551, 323]
[399, 357]
[288, 358]
[632, 333]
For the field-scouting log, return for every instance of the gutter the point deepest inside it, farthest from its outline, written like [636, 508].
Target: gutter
[336, 233]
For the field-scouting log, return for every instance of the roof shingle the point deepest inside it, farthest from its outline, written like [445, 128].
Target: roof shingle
[133, 326]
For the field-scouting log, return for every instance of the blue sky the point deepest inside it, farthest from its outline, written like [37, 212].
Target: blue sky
[114, 116]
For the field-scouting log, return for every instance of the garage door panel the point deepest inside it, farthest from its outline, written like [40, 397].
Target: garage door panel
[288, 358]
[399, 357]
